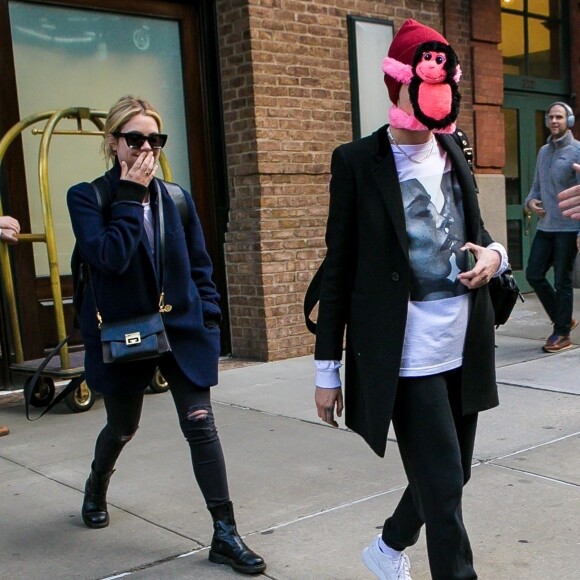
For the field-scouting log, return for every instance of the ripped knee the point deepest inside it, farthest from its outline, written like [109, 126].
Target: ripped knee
[198, 414]
[122, 438]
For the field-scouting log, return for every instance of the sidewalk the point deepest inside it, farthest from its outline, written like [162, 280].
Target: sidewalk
[308, 498]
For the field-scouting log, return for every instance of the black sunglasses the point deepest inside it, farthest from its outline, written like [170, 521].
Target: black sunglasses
[137, 140]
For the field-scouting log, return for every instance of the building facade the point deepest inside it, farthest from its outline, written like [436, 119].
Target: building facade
[258, 95]
[288, 102]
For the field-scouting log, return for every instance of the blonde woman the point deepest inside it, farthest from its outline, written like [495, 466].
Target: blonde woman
[121, 246]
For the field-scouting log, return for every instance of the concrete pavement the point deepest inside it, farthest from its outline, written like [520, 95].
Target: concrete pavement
[307, 497]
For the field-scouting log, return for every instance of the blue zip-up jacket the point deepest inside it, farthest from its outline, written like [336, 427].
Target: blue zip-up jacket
[554, 173]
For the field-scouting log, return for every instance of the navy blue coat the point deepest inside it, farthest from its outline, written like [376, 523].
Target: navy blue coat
[125, 277]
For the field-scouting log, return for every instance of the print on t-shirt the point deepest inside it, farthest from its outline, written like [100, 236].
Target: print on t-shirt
[436, 232]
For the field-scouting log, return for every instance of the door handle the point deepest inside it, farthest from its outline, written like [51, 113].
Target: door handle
[527, 221]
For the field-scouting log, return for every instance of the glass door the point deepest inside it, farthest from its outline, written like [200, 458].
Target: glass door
[74, 53]
[89, 59]
[525, 133]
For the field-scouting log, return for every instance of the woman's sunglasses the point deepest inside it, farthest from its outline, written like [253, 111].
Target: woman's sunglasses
[137, 140]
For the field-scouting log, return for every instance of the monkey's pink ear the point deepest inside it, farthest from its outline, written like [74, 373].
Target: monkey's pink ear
[457, 74]
[402, 73]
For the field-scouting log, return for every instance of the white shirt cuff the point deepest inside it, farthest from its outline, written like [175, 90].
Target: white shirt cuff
[504, 258]
[327, 374]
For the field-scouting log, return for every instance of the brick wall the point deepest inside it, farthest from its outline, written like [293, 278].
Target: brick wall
[488, 86]
[457, 29]
[286, 93]
[242, 248]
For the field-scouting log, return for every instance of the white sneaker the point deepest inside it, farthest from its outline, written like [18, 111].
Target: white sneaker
[385, 567]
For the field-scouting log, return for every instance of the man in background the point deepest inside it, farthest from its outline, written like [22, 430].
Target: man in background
[556, 243]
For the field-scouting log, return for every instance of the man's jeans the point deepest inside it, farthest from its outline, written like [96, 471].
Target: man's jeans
[557, 249]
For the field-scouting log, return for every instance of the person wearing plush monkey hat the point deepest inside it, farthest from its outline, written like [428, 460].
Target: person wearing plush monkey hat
[406, 271]
[421, 59]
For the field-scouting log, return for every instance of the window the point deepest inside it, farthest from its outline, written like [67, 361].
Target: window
[532, 39]
[68, 57]
[369, 40]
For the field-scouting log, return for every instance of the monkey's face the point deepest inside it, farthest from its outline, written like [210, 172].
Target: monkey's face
[435, 62]
[431, 67]
[433, 90]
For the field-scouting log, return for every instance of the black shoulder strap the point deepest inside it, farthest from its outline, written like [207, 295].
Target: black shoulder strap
[178, 196]
[103, 195]
[312, 296]
[463, 141]
[102, 191]
[30, 385]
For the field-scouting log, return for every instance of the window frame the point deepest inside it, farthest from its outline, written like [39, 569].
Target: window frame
[531, 83]
[361, 95]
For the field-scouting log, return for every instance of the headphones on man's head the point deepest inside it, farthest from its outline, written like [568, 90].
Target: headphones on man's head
[570, 118]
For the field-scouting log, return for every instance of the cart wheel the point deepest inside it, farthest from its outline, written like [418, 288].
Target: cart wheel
[43, 393]
[158, 384]
[82, 398]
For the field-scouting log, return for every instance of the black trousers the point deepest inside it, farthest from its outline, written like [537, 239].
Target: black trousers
[196, 420]
[557, 250]
[436, 445]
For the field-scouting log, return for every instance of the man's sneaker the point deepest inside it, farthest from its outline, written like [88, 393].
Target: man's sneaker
[385, 567]
[573, 325]
[557, 343]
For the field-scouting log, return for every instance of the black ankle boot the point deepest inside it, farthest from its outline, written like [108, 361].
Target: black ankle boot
[227, 547]
[94, 510]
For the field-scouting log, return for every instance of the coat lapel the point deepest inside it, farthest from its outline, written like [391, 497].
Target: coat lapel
[385, 175]
[465, 179]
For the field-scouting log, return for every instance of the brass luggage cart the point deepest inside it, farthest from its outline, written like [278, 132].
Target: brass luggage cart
[69, 365]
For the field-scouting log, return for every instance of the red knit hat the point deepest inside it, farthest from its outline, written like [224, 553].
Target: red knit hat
[404, 46]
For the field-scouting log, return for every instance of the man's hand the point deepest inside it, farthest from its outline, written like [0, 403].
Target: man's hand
[486, 265]
[569, 199]
[326, 400]
[537, 207]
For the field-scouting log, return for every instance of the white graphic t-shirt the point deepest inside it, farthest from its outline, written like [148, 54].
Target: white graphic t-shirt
[438, 303]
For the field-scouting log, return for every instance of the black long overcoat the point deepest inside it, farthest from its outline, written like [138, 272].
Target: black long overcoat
[365, 287]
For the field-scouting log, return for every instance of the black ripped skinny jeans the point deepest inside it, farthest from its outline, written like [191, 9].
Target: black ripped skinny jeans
[196, 420]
